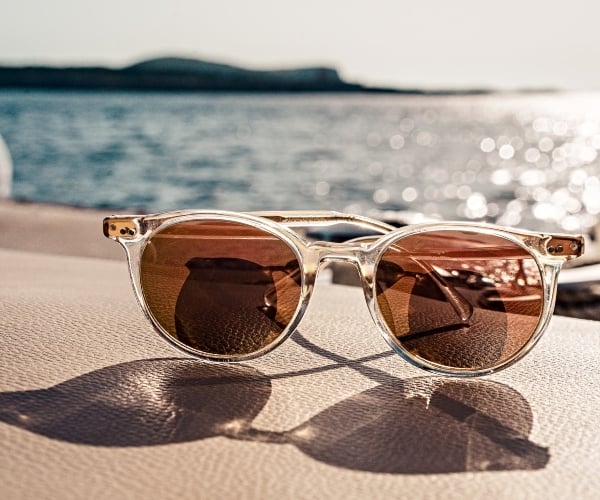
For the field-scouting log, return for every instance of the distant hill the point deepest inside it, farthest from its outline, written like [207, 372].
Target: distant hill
[185, 74]
[174, 73]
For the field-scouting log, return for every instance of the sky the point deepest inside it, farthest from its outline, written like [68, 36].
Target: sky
[509, 44]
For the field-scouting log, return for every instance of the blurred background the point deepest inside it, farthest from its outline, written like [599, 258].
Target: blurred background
[495, 115]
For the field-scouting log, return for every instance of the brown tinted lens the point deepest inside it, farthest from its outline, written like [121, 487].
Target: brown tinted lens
[459, 299]
[220, 287]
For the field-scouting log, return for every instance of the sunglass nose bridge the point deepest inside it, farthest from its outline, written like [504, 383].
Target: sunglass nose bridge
[354, 254]
[342, 252]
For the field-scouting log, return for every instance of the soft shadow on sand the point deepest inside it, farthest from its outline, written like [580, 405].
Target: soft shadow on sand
[417, 425]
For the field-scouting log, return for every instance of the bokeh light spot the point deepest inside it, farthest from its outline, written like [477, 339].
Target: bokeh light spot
[409, 194]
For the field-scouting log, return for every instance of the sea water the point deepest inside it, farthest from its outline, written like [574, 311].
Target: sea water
[528, 160]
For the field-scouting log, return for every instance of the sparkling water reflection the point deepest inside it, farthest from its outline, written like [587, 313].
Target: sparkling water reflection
[527, 160]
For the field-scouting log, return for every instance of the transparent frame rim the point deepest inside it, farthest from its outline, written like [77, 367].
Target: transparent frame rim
[231, 217]
[547, 272]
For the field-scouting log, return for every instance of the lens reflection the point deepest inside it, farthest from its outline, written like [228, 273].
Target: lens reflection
[459, 299]
[220, 287]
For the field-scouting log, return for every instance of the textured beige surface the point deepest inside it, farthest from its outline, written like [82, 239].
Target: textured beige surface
[54, 229]
[93, 404]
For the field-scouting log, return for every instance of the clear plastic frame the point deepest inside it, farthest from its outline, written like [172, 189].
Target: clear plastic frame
[476, 274]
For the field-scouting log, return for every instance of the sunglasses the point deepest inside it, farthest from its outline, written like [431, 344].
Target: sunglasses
[455, 298]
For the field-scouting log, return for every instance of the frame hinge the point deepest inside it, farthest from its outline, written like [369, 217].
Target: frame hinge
[121, 227]
[565, 246]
